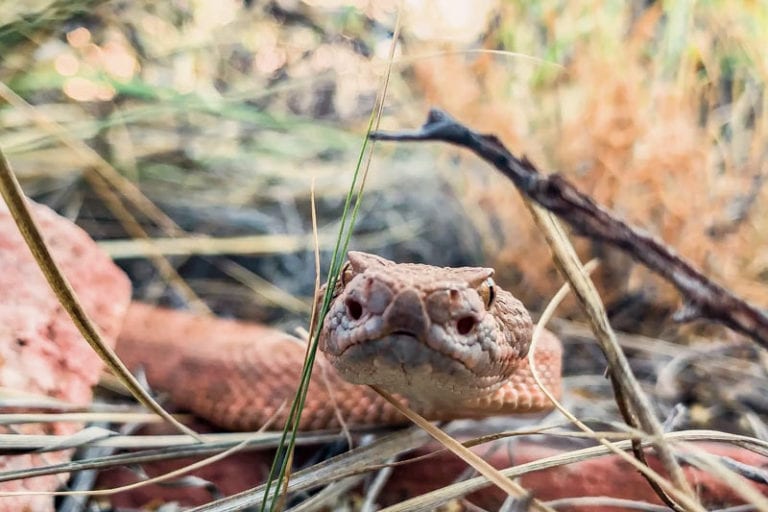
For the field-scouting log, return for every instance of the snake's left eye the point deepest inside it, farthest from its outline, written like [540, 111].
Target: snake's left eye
[346, 274]
[487, 292]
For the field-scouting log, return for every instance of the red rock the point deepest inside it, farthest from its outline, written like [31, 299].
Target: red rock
[41, 351]
[236, 473]
[606, 476]
[612, 476]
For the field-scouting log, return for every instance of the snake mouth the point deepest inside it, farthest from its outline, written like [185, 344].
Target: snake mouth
[401, 349]
[400, 352]
[401, 363]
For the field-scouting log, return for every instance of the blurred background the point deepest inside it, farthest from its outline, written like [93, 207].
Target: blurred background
[204, 123]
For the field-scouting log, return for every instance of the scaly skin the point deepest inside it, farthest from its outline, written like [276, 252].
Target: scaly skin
[446, 339]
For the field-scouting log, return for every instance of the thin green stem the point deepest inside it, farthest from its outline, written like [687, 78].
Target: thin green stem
[284, 450]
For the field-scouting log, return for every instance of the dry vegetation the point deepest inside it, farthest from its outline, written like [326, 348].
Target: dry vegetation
[658, 114]
[222, 114]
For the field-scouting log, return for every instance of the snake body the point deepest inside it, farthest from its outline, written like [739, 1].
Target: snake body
[447, 340]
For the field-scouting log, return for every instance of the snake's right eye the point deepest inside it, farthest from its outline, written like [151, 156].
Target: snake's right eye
[346, 274]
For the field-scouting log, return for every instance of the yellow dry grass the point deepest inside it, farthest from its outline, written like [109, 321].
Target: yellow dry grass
[656, 114]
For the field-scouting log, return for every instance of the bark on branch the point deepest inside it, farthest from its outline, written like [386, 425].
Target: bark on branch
[702, 298]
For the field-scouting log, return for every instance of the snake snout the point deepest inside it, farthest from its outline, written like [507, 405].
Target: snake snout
[406, 315]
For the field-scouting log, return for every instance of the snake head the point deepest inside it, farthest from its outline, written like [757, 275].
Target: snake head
[438, 336]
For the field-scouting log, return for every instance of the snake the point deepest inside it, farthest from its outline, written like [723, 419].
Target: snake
[449, 342]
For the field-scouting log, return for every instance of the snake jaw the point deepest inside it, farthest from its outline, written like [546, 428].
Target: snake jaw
[423, 332]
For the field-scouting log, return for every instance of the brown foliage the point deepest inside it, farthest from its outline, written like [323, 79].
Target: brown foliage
[642, 140]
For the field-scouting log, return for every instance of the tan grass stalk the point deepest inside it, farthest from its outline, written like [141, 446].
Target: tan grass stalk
[568, 264]
[14, 197]
[511, 487]
[649, 473]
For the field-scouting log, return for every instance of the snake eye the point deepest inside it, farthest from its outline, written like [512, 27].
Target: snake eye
[346, 274]
[487, 292]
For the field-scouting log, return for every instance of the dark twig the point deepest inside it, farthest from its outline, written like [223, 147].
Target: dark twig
[702, 297]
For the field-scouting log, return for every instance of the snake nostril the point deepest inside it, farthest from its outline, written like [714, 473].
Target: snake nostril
[465, 324]
[354, 309]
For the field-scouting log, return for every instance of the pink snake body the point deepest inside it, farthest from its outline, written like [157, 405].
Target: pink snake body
[447, 340]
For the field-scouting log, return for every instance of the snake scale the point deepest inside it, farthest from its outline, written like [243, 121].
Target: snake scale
[447, 340]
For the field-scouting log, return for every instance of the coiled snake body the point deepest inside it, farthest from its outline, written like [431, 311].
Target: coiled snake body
[446, 339]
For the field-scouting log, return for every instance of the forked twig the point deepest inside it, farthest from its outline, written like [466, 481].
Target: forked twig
[702, 298]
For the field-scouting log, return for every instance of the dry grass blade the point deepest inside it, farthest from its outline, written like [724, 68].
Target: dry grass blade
[328, 496]
[641, 467]
[49, 443]
[115, 490]
[108, 439]
[738, 483]
[588, 502]
[623, 378]
[377, 484]
[511, 487]
[347, 464]
[200, 245]
[14, 197]
[165, 268]
[78, 417]
[103, 176]
[264, 288]
[167, 447]
[431, 500]
[91, 158]
[209, 246]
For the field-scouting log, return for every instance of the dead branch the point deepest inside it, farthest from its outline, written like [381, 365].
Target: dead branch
[702, 298]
